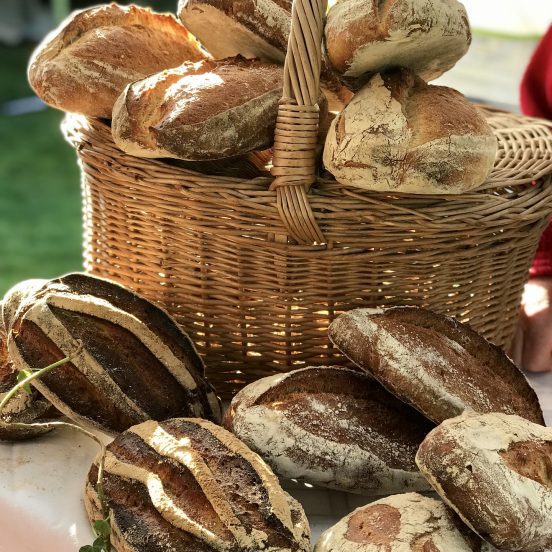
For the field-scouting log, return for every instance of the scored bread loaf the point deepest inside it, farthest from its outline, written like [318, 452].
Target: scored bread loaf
[207, 110]
[130, 360]
[433, 362]
[191, 486]
[495, 470]
[401, 523]
[252, 28]
[24, 407]
[400, 134]
[371, 36]
[86, 63]
[332, 427]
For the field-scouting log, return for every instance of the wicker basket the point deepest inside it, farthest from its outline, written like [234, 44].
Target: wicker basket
[255, 269]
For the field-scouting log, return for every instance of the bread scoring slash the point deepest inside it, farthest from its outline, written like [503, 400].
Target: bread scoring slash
[191, 486]
[131, 361]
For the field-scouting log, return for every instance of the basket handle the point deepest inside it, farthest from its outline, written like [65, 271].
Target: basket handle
[296, 135]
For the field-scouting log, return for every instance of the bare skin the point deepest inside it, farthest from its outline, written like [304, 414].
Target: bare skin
[532, 346]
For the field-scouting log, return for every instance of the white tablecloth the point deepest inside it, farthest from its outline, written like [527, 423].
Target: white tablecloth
[41, 483]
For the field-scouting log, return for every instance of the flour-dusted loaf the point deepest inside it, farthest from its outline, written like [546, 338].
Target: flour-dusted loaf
[86, 63]
[435, 363]
[401, 523]
[401, 134]
[23, 407]
[370, 36]
[131, 361]
[188, 485]
[332, 427]
[495, 470]
[207, 110]
[252, 28]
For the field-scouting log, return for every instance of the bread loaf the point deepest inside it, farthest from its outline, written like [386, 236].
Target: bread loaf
[23, 407]
[188, 485]
[202, 111]
[369, 36]
[400, 523]
[400, 134]
[332, 427]
[252, 28]
[86, 63]
[496, 472]
[433, 362]
[131, 361]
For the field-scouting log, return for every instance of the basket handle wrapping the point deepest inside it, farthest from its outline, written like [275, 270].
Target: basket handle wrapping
[296, 135]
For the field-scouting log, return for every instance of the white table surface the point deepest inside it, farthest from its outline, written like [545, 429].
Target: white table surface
[41, 484]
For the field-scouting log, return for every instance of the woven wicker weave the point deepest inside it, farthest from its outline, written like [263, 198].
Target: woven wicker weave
[256, 269]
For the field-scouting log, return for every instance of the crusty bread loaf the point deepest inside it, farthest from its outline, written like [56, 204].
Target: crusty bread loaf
[252, 28]
[400, 523]
[369, 36]
[23, 407]
[435, 363]
[400, 134]
[496, 472]
[131, 362]
[188, 485]
[207, 110]
[86, 63]
[332, 427]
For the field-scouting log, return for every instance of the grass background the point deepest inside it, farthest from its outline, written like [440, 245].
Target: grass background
[40, 220]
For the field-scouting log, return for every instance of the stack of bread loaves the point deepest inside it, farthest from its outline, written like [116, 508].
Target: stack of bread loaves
[215, 95]
[175, 480]
[490, 459]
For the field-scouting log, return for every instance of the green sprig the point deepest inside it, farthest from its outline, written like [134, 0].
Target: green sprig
[102, 527]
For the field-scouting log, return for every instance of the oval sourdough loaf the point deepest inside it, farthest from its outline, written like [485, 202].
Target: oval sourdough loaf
[370, 36]
[191, 486]
[131, 360]
[252, 28]
[332, 427]
[23, 407]
[400, 523]
[86, 63]
[433, 362]
[495, 470]
[201, 111]
[400, 134]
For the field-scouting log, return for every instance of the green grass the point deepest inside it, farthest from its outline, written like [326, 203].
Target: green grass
[40, 221]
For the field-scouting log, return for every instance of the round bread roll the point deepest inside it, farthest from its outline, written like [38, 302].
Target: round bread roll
[201, 111]
[435, 363]
[332, 427]
[130, 361]
[400, 134]
[86, 63]
[496, 472]
[400, 523]
[188, 485]
[369, 36]
[252, 28]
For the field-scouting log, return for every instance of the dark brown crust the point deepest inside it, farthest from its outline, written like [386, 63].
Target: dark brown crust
[354, 398]
[126, 360]
[132, 40]
[501, 386]
[38, 409]
[141, 527]
[246, 13]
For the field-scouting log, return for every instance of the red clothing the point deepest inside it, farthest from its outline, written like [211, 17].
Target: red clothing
[536, 101]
